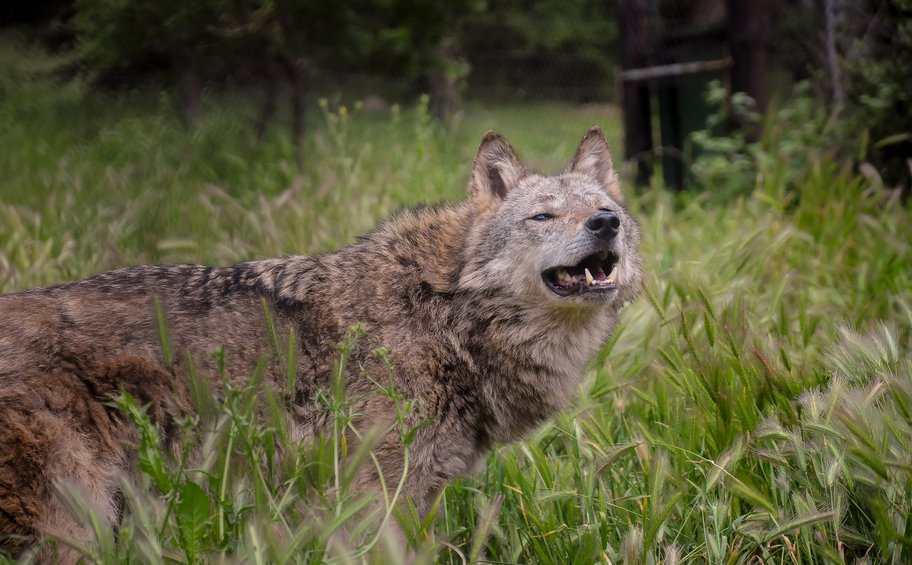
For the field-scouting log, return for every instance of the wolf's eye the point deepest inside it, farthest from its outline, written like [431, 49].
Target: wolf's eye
[542, 217]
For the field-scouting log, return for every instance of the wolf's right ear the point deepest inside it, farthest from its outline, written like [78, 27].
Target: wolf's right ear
[495, 172]
[593, 159]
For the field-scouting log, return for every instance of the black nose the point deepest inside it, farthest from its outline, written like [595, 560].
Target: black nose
[603, 224]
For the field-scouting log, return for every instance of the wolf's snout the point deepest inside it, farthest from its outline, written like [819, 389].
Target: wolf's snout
[603, 224]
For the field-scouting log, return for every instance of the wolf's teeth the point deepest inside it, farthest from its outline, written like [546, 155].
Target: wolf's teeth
[563, 276]
[589, 279]
[612, 276]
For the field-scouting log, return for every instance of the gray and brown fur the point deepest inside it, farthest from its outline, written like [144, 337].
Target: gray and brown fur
[455, 293]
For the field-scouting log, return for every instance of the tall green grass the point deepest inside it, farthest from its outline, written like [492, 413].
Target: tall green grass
[754, 406]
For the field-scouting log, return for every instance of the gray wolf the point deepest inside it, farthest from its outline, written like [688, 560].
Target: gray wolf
[489, 310]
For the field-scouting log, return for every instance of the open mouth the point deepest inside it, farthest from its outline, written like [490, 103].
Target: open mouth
[596, 273]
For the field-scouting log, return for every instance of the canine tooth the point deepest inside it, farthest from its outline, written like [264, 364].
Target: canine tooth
[564, 278]
[612, 276]
[589, 279]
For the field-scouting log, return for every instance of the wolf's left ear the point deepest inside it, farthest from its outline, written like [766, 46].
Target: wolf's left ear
[593, 159]
[495, 172]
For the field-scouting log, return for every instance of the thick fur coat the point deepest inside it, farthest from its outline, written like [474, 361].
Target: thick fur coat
[489, 310]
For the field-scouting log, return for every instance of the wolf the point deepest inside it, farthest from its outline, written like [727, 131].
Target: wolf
[488, 309]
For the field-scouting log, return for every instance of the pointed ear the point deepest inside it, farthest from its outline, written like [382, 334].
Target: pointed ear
[495, 172]
[593, 159]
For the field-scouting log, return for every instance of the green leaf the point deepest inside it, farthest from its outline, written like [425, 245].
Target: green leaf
[192, 513]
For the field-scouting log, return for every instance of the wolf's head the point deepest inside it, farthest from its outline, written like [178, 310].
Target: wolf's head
[566, 241]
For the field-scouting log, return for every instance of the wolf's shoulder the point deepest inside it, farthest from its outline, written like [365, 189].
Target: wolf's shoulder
[421, 219]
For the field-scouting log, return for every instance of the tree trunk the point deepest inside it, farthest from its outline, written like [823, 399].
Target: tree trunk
[637, 24]
[826, 25]
[444, 81]
[298, 75]
[190, 95]
[748, 27]
[270, 100]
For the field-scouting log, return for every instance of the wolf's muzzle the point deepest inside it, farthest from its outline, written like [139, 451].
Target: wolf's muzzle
[603, 224]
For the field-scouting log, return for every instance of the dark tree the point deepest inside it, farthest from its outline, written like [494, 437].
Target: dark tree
[637, 21]
[749, 25]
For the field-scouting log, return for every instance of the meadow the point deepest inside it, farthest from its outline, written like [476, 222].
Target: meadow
[755, 405]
